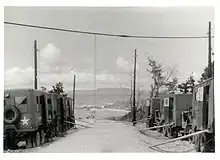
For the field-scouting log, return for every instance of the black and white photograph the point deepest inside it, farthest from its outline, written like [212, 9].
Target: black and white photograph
[109, 79]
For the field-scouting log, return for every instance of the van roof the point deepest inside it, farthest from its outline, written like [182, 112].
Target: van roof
[202, 83]
[23, 90]
[178, 94]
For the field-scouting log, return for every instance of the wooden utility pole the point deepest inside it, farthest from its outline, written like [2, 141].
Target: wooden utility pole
[94, 70]
[134, 85]
[131, 91]
[35, 64]
[74, 92]
[74, 97]
[209, 53]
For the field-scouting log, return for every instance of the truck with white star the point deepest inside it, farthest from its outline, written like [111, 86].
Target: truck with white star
[29, 116]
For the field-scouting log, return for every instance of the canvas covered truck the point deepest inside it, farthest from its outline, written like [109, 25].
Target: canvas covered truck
[25, 117]
[60, 113]
[186, 118]
[55, 103]
[33, 116]
[159, 114]
[204, 116]
[68, 112]
[152, 104]
[172, 106]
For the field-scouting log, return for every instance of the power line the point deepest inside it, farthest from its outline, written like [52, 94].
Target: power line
[105, 34]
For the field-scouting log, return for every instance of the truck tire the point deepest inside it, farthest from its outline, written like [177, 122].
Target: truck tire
[169, 132]
[200, 143]
[42, 137]
[37, 139]
[191, 139]
[28, 141]
[10, 110]
[164, 131]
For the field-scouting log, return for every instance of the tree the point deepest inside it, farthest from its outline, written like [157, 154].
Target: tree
[59, 89]
[191, 83]
[156, 71]
[160, 78]
[204, 75]
[187, 87]
[183, 87]
[172, 85]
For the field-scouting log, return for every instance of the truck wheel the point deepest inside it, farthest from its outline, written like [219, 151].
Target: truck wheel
[159, 129]
[42, 137]
[175, 134]
[147, 123]
[50, 135]
[212, 143]
[33, 138]
[6, 143]
[28, 142]
[200, 143]
[191, 139]
[37, 139]
[169, 132]
[13, 142]
[11, 114]
[164, 131]
[208, 143]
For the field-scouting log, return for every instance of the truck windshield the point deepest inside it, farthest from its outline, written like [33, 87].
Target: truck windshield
[20, 100]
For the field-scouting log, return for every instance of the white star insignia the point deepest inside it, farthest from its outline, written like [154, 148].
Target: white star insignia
[25, 121]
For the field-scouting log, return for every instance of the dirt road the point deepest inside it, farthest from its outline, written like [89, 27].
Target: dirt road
[103, 136]
[106, 136]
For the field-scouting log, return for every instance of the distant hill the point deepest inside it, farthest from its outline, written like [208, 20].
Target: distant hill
[104, 95]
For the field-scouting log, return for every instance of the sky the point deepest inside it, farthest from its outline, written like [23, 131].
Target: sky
[110, 58]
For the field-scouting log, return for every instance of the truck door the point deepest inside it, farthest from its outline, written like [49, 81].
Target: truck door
[49, 103]
[62, 114]
[171, 109]
[69, 107]
[205, 106]
[43, 109]
[148, 108]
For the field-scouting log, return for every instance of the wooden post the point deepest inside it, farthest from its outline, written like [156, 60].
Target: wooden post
[134, 108]
[74, 97]
[209, 53]
[35, 64]
[94, 74]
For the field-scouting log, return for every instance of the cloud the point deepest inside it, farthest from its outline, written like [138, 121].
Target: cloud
[17, 77]
[50, 54]
[53, 67]
[123, 64]
[51, 60]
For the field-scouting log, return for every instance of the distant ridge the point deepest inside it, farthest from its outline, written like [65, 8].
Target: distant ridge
[104, 95]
